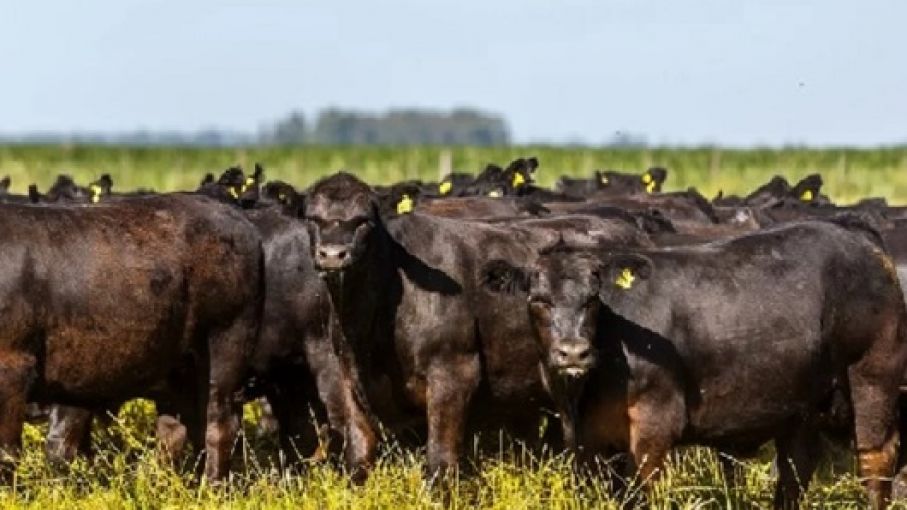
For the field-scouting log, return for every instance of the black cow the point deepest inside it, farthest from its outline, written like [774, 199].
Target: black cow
[726, 344]
[299, 357]
[429, 342]
[612, 182]
[777, 189]
[157, 297]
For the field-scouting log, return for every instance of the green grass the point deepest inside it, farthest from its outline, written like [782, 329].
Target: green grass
[850, 174]
[127, 472]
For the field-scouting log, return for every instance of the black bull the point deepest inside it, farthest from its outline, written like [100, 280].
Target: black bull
[159, 297]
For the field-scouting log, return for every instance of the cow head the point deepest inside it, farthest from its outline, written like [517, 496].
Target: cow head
[65, 189]
[100, 188]
[563, 305]
[341, 214]
[566, 293]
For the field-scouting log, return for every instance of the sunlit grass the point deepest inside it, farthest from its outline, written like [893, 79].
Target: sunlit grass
[128, 472]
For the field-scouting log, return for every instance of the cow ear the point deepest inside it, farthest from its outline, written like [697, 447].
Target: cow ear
[659, 174]
[106, 182]
[4, 184]
[807, 190]
[501, 276]
[532, 164]
[624, 272]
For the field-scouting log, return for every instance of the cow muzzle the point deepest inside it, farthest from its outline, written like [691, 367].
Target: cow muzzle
[333, 257]
[572, 358]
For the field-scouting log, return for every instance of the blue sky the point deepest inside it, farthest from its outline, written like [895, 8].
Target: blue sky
[730, 72]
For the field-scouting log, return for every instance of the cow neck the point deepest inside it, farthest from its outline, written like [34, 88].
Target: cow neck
[359, 294]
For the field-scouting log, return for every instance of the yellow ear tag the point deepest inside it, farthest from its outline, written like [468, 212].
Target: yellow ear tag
[494, 193]
[95, 193]
[282, 197]
[232, 191]
[405, 205]
[445, 187]
[625, 279]
[518, 180]
[603, 179]
[649, 182]
[807, 196]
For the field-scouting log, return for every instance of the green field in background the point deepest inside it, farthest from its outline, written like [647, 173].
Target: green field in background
[849, 174]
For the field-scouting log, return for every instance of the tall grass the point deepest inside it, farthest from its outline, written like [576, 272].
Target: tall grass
[127, 471]
[850, 174]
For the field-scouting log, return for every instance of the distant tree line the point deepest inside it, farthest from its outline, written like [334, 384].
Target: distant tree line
[332, 126]
[396, 127]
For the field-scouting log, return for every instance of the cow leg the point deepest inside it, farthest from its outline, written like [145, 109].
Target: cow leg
[180, 422]
[68, 434]
[297, 435]
[172, 437]
[451, 385]
[796, 458]
[876, 436]
[654, 426]
[226, 370]
[16, 373]
[339, 391]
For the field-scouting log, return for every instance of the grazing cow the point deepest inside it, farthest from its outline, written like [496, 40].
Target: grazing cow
[495, 181]
[612, 183]
[430, 344]
[155, 297]
[777, 189]
[726, 344]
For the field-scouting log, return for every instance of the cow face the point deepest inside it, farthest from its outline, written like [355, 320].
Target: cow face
[563, 304]
[567, 293]
[340, 214]
[564, 308]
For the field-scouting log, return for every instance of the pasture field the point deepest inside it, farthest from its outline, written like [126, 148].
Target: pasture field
[126, 471]
[850, 174]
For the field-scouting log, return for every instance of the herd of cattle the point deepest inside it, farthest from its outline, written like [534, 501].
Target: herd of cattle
[643, 319]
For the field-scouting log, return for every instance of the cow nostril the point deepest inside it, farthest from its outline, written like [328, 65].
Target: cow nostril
[584, 354]
[322, 254]
[342, 254]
